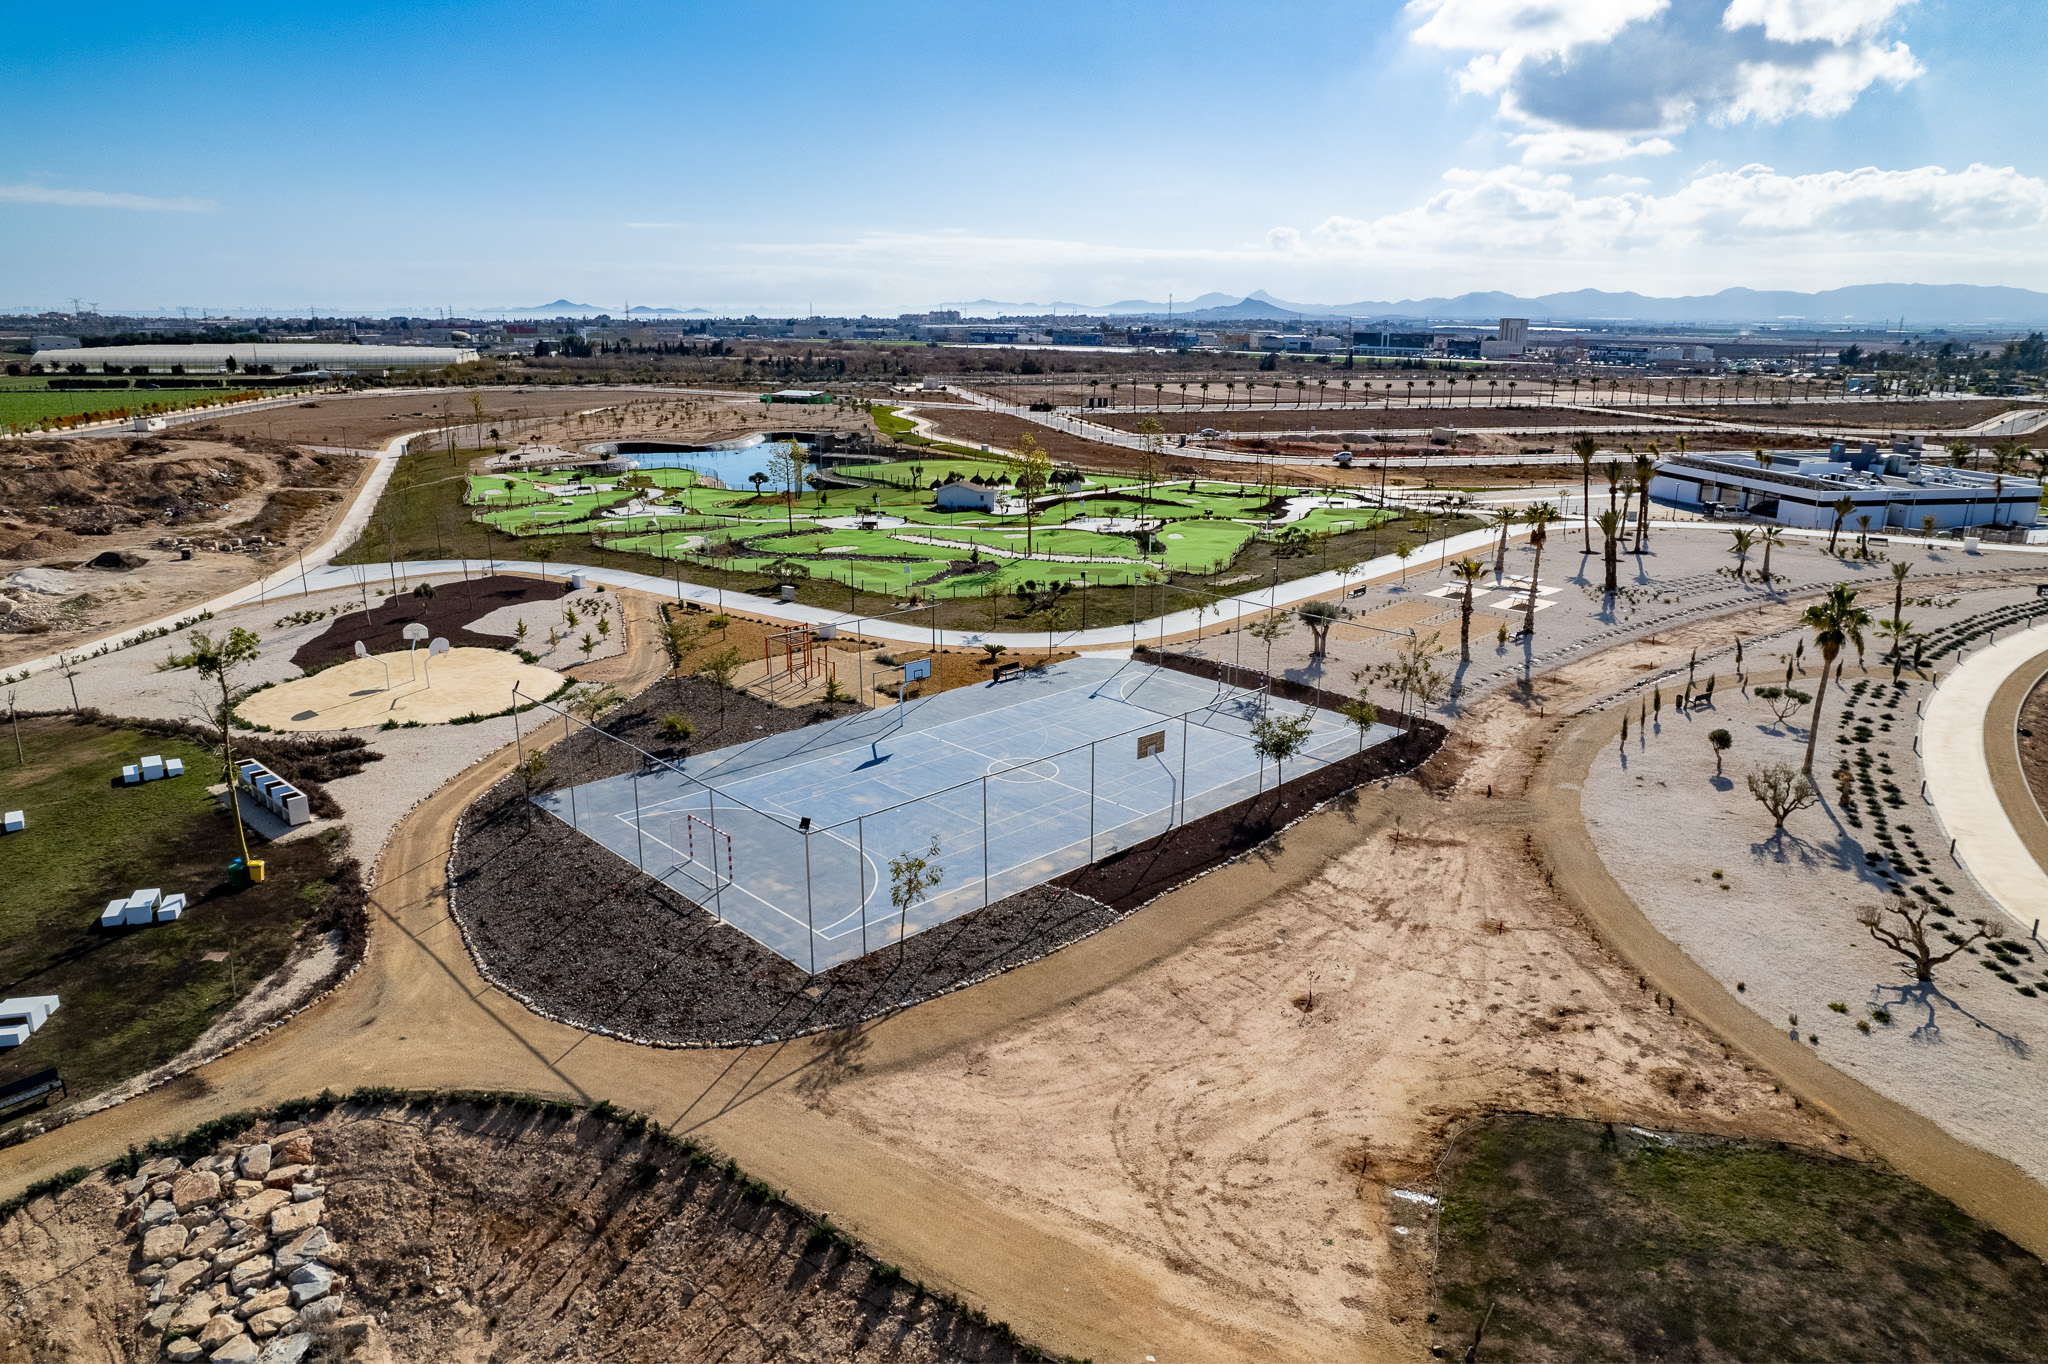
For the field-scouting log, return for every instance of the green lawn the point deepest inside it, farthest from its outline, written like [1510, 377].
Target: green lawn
[132, 997]
[1592, 1242]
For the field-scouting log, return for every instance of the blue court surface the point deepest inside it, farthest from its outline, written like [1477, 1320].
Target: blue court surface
[1019, 781]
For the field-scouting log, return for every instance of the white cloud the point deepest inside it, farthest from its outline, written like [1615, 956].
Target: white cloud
[1598, 82]
[1514, 211]
[1800, 21]
[1575, 147]
[92, 198]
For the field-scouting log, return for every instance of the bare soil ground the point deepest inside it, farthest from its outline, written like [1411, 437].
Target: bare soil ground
[1399, 417]
[65, 502]
[1184, 1136]
[2033, 742]
[493, 1234]
[569, 415]
[1867, 415]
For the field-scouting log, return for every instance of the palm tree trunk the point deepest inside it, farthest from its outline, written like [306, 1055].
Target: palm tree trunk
[1529, 609]
[1820, 694]
[1586, 501]
[1465, 626]
[1767, 561]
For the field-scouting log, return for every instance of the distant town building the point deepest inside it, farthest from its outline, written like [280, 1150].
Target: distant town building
[53, 343]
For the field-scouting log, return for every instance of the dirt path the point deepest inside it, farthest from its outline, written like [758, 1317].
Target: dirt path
[1181, 1137]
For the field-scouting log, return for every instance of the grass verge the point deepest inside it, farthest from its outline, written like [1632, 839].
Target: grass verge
[1592, 1242]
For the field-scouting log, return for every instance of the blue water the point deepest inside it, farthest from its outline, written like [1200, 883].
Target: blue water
[730, 467]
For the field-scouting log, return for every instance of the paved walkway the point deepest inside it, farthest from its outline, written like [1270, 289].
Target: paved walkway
[1953, 746]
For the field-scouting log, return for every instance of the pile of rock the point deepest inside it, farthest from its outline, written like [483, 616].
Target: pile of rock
[233, 1254]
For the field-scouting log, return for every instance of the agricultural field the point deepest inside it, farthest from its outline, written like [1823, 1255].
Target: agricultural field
[27, 403]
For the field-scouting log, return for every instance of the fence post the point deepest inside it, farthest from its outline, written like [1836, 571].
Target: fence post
[860, 831]
[1091, 798]
[639, 845]
[810, 926]
[984, 843]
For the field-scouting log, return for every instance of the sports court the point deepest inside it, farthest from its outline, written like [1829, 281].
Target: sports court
[789, 837]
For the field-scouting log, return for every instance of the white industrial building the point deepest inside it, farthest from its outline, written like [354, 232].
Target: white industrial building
[283, 358]
[1801, 487]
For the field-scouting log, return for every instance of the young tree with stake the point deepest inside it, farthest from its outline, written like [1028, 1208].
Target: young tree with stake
[220, 661]
[912, 876]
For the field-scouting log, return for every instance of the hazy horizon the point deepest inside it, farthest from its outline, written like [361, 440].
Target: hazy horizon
[408, 158]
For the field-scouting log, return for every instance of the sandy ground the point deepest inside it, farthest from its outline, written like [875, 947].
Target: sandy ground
[1969, 1055]
[1181, 1137]
[418, 689]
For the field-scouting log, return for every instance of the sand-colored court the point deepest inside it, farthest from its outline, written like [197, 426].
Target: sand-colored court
[354, 695]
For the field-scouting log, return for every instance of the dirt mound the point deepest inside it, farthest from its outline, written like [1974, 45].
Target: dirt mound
[117, 559]
[447, 612]
[503, 1233]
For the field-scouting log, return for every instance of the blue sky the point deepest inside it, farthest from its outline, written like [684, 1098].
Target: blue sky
[888, 157]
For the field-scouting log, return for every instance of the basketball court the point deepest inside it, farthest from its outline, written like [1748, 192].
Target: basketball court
[789, 838]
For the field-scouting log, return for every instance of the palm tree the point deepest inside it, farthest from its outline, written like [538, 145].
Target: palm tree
[1468, 572]
[1745, 540]
[1645, 465]
[1770, 538]
[1538, 517]
[1898, 633]
[1610, 532]
[1585, 447]
[1835, 620]
[1504, 519]
[1841, 507]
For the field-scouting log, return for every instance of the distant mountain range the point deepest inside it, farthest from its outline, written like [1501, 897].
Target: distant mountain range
[1920, 305]
[562, 307]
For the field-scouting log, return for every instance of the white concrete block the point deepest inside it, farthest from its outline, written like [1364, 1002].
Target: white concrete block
[13, 822]
[296, 810]
[142, 906]
[153, 767]
[13, 1034]
[174, 767]
[29, 1011]
[172, 908]
[115, 911]
[131, 775]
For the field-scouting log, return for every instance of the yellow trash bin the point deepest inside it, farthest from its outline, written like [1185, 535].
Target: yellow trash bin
[255, 869]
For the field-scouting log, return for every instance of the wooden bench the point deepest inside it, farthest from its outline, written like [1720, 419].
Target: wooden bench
[1006, 670]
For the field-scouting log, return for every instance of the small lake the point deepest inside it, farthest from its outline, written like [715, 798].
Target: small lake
[731, 467]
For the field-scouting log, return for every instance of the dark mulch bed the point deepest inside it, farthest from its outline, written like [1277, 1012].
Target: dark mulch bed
[452, 608]
[1150, 869]
[580, 934]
